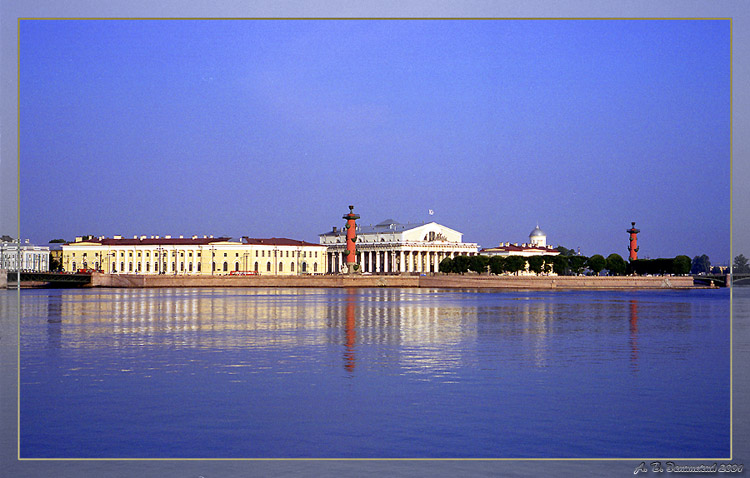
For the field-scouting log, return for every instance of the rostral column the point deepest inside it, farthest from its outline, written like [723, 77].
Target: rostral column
[633, 247]
[351, 241]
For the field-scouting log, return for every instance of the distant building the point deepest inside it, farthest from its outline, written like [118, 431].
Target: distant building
[393, 247]
[33, 258]
[537, 246]
[194, 255]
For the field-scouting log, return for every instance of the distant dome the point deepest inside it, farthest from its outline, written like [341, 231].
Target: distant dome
[537, 232]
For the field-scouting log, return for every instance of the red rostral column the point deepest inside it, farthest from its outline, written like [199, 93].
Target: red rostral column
[633, 247]
[351, 240]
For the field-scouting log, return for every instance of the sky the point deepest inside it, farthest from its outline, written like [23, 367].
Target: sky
[273, 127]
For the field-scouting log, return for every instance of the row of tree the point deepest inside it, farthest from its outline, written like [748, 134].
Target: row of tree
[566, 265]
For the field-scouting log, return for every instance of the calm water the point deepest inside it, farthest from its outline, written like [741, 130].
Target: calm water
[374, 373]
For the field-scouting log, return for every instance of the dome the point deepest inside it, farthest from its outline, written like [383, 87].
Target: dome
[537, 232]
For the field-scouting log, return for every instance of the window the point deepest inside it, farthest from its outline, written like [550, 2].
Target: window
[139, 267]
[304, 267]
[148, 264]
[236, 254]
[281, 266]
[225, 254]
[256, 266]
[199, 267]
[122, 266]
[236, 266]
[315, 266]
[130, 267]
[190, 267]
[226, 266]
[268, 267]
[292, 266]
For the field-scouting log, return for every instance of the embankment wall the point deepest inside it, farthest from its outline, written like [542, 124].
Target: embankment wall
[436, 281]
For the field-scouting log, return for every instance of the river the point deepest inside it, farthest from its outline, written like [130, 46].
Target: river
[377, 373]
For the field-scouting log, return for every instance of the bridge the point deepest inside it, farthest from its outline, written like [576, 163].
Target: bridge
[720, 280]
[740, 279]
[52, 279]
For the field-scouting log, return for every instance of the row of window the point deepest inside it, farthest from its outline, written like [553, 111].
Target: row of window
[261, 253]
[225, 267]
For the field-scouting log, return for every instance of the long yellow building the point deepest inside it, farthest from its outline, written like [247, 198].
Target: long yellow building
[194, 255]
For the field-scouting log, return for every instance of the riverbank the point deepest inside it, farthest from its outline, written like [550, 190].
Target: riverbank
[438, 281]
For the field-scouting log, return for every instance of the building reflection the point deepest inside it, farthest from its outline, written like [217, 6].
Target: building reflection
[415, 330]
[420, 330]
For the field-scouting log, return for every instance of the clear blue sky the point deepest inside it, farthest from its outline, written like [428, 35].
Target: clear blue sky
[272, 128]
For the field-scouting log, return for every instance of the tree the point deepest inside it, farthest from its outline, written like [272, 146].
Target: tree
[497, 264]
[58, 241]
[478, 263]
[515, 264]
[596, 263]
[564, 251]
[446, 265]
[681, 265]
[700, 265]
[536, 264]
[461, 264]
[616, 265]
[560, 264]
[577, 263]
[740, 265]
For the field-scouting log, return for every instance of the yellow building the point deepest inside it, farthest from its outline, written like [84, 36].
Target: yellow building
[194, 255]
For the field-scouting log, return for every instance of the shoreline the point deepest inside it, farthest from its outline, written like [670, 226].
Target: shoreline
[440, 281]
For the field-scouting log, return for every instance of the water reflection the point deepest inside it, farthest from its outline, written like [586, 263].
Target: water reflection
[634, 334]
[351, 332]
[420, 330]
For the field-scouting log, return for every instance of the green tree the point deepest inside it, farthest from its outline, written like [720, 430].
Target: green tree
[740, 265]
[58, 241]
[681, 265]
[478, 263]
[446, 265]
[700, 264]
[616, 265]
[515, 264]
[461, 264]
[564, 251]
[596, 263]
[497, 264]
[577, 263]
[536, 264]
[560, 264]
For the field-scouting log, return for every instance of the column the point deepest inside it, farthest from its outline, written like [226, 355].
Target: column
[340, 262]
[377, 261]
[401, 265]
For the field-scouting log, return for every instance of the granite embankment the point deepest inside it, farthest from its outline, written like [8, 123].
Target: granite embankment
[435, 281]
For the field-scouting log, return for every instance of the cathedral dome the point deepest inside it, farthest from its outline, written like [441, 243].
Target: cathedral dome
[537, 232]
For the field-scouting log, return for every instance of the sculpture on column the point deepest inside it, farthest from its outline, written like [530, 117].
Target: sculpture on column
[633, 247]
[350, 253]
